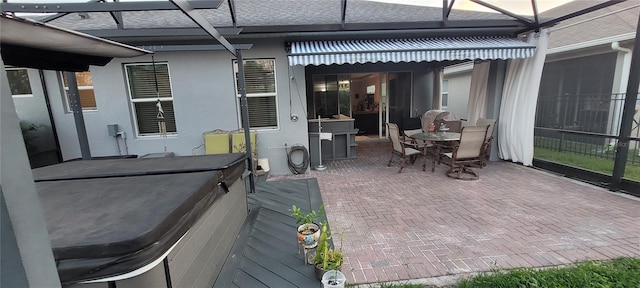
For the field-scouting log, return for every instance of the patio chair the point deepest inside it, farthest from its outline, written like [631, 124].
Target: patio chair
[420, 145]
[486, 148]
[400, 146]
[466, 153]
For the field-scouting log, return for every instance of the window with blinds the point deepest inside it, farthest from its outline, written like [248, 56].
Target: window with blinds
[19, 82]
[148, 84]
[445, 94]
[260, 79]
[85, 89]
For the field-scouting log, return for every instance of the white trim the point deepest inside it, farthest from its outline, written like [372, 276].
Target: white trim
[259, 94]
[458, 68]
[596, 42]
[80, 87]
[157, 136]
[22, 96]
[138, 271]
[141, 100]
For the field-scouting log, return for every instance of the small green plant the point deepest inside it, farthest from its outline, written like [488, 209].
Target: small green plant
[327, 258]
[302, 218]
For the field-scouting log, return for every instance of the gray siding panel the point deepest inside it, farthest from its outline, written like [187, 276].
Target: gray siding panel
[206, 262]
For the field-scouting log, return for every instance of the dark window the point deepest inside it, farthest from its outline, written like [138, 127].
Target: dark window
[19, 82]
[144, 96]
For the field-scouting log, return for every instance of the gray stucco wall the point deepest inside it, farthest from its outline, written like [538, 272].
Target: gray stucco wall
[204, 99]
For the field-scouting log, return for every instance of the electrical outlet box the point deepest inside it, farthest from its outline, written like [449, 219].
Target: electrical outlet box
[113, 130]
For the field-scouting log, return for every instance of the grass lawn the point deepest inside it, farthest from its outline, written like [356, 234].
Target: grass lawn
[616, 273]
[592, 163]
[620, 272]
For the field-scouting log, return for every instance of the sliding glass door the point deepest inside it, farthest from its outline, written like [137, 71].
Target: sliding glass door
[399, 95]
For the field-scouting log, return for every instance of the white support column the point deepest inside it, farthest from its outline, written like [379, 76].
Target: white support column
[620, 81]
[23, 204]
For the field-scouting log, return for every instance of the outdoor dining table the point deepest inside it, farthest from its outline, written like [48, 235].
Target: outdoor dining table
[439, 139]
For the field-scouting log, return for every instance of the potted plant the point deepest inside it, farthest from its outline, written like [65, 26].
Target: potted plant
[326, 257]
[333, 279]
[308, 231]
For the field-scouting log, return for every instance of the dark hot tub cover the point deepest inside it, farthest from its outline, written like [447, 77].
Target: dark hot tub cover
[137, 210]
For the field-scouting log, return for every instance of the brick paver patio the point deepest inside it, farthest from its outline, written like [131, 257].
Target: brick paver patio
[421, 224]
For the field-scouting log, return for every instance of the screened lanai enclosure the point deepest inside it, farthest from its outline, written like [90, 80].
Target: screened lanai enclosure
[583, 118]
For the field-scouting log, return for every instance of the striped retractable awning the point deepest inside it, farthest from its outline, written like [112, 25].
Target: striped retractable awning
[407, 50]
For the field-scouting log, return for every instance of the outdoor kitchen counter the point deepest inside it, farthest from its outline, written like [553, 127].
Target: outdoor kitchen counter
[342, 144]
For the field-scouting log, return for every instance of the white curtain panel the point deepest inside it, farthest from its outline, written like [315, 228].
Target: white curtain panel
[477, 105]
[518, 106]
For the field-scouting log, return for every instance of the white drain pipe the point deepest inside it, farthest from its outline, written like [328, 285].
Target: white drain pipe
[621, 80]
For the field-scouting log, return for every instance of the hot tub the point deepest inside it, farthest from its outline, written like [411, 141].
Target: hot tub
[114, 221]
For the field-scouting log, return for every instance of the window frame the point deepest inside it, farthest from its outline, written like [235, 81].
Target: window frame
[132, 101]
[30, 88]
[444, 93]
[65, 90]
[250, 95]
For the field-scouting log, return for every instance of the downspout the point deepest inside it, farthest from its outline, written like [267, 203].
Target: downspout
[617, 97]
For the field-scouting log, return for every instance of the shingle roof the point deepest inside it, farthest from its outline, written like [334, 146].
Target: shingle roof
[615, 24]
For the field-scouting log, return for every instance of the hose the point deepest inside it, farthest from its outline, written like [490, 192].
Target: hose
[301, 167]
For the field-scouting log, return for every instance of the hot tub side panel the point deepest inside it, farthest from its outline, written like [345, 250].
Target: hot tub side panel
[197, 259]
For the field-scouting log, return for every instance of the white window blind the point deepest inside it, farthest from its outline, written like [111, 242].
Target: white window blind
[141, 79]
[260, 79]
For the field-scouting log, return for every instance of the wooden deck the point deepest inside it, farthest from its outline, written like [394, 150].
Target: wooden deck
[265, 253]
